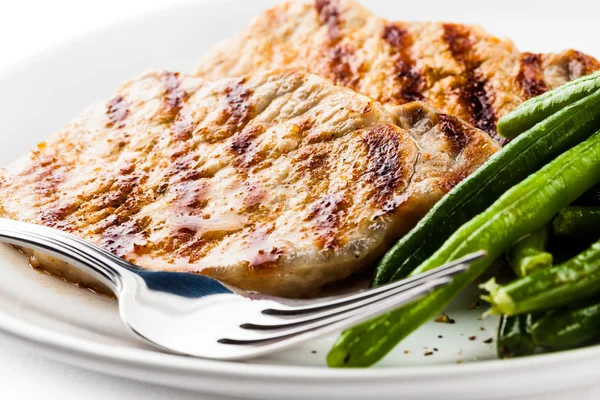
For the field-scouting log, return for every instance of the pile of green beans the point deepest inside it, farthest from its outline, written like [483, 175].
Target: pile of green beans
[492, 210]
[523, 209]
[544, 289]
[570, 322]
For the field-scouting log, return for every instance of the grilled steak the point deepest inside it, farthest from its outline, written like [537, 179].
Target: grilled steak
[459, 69]
[278, 182]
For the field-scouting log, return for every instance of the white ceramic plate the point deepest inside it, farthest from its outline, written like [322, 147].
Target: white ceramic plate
[82, 328]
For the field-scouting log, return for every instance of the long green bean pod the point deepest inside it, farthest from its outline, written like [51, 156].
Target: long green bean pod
[521, 210]
[548, 288]
[568, 328]
[578, 222]
[514, 332]
[528, 253]
[520, 158]
[539, 108]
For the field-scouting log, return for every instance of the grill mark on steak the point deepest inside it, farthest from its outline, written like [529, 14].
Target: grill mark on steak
[241, 141]
[407, 73]
[174, 101]
[327, 213]
[185, 166]
[117, 111]
[312, 162]
[242, 146]
[58, 213]
[124, 238]
[47, 175]
[175, 96]
[118, 193]
[186, 243]
[329, 15]
[530, 77]
[386, 169]
[340, 58]
[452, 128]
[119, 199]
[339, 55]
[473, 92]
[315, 164]
[190, 195]
[182, 129]
[239, 109]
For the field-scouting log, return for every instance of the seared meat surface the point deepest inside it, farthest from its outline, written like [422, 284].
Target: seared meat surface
[458, 69]
[278, 182]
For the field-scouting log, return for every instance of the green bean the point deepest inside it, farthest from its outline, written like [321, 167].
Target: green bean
[548, 288]
[539, 108]
[528, 253]
[514, 332]
[568, 328]
[514, 336]
[579, 222]
[523, 156]
[521, 210]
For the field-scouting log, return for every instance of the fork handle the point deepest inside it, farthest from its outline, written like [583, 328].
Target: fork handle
[85, 256]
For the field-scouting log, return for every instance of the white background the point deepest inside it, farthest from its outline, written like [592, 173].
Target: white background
[28, 27]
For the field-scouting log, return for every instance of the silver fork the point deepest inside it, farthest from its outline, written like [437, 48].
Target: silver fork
[196, 315]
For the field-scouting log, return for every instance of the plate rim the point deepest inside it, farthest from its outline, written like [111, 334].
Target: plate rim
[13, 327]
[64, 347]
[203, 375]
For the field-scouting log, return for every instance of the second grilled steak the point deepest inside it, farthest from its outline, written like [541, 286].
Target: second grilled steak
[460, 70]
[279, 182]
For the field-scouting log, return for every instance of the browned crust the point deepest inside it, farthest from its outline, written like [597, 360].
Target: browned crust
[580, 64]
[329, 15]
[453, 129]
[530, 76]
[409, 77]
[117, 112]
[387, 169]
[472, 92]
[278, 182]
[175, 97]
[239, 109]
[461, 70]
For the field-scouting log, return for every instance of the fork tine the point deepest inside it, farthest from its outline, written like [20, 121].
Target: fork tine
[369, 310]
[303, 318]
[311, 306]
[372, 310]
